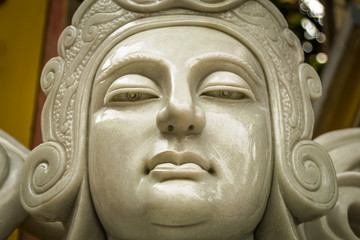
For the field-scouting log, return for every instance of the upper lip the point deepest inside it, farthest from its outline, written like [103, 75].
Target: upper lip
[177, 158]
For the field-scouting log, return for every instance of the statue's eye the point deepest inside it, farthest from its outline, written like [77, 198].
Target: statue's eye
[235, 94]
[225, 85]
[134, 96]
[130, 95]
[131, 88]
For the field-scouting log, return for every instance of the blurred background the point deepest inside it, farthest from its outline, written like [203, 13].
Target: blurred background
[329, 31]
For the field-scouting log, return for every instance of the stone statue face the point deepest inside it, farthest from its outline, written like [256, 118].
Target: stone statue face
[180, 137]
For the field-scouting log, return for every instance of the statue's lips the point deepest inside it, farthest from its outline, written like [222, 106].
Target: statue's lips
[171, 165]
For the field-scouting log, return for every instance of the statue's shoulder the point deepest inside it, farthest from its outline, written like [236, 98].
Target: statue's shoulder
[12, 157]
[342, 222]
[343, 147]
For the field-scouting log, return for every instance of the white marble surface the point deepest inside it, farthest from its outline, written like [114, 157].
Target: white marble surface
[178, 120]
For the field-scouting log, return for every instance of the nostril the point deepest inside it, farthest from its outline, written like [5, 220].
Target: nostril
[170, 128]
[191, 127]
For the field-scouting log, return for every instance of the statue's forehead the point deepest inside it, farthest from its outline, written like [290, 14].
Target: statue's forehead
[182, 45]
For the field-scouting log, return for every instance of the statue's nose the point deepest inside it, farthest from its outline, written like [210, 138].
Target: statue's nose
[181, 117]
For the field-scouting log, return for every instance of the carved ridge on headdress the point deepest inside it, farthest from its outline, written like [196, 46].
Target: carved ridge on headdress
[198, 5]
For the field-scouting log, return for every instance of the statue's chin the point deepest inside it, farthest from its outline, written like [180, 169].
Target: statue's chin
[177, 203]
[181, 209]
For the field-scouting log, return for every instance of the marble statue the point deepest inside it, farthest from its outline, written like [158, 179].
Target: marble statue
[174, 119]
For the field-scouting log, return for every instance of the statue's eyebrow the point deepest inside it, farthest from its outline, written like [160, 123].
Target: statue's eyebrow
[192, 62]
[129, 59]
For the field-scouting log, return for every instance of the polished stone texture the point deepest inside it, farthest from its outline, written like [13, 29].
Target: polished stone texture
[177, 120]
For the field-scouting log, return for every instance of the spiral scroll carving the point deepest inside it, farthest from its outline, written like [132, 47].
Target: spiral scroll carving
[312, 81]
[306, 167]
[311, 90]
[43, 170]
[67, 39]
[311, 181]
[314, 87]
[198, 5]
[51, 73]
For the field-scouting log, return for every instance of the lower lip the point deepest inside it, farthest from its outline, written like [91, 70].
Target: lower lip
[168, 171]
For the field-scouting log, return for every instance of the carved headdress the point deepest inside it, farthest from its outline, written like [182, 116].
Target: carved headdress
[304, 184]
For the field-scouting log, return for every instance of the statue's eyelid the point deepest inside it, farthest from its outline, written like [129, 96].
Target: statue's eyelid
[132, 83]
[225, 81]
[147, 92]
[233, 89]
